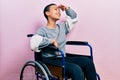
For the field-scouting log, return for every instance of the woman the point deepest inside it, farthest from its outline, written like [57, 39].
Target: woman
[55, 34]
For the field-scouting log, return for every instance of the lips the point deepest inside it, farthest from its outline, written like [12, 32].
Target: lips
[58, 14]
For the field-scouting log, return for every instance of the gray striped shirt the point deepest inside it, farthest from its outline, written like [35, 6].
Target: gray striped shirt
[59, 33]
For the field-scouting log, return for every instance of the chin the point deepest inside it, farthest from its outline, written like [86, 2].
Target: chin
[57, 19]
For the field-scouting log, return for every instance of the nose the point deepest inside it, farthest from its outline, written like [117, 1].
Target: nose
[58, 9]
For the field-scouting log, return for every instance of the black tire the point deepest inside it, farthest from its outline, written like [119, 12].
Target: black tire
[36, 71]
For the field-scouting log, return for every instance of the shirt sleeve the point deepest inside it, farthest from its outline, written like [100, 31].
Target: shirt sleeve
[71, 20]
[45, 41]
[34, 42]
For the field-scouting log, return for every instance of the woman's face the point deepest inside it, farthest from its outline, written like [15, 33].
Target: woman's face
[54, 12]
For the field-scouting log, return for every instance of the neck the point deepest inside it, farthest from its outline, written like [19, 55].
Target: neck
[51, 24]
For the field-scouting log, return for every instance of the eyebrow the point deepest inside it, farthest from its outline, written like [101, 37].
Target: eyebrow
[55, 6]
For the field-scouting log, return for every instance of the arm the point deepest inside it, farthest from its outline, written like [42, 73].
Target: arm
[39, 40]
[45, 40]
[71, 17]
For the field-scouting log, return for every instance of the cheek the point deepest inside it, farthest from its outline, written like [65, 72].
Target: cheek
[52, 14]
[60, 14]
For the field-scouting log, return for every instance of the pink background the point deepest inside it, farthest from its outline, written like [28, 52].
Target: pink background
[99, 23]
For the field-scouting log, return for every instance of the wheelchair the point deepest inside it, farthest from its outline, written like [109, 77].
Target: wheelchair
[38, 70]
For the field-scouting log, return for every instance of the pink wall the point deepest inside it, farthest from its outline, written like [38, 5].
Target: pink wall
[99, 23]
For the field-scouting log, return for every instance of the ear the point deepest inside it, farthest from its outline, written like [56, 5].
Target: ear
[47, 13]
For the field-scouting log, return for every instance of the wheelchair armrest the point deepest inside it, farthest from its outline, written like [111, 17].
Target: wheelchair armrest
[54, 48]
[30, 35]
[81, 43]
[76, 55]
[50, 47]
[77, 43]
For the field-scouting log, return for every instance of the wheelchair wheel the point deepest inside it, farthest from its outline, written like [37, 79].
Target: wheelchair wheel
[33, 70]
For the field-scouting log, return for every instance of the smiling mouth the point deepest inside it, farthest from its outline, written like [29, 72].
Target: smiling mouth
[58, 14]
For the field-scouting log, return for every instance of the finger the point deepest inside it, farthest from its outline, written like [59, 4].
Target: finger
[56, 44]
[61, 6]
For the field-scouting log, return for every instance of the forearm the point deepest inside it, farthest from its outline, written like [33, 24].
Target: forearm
[71, 13]
[38, 42]
[71, 18]
[45, 42]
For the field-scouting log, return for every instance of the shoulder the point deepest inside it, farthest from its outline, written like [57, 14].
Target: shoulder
[64, 27]
[62, 24]
[42, 30]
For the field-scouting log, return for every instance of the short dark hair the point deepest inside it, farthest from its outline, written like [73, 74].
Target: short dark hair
[47, 8]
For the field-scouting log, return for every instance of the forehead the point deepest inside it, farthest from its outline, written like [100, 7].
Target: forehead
[53, 6]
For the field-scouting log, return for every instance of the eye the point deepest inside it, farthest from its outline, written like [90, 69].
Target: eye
[55, 8]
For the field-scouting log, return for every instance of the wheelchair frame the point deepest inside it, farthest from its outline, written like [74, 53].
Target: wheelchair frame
[45, 70]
